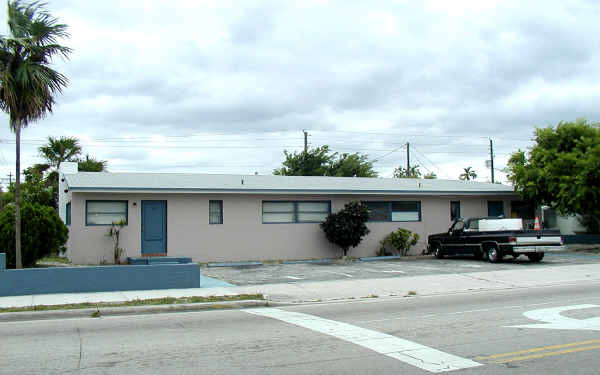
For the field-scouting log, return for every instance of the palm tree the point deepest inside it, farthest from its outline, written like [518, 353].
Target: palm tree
[91, 164]
[59, 150]
[27, 83]
[468, 174]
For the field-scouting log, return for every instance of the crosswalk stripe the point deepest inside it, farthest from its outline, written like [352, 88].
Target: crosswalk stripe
[409, 352]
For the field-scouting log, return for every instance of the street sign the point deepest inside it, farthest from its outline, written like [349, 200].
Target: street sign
[553, 320]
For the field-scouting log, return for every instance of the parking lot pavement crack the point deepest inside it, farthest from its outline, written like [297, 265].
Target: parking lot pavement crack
[490, 280]
[80, 348]
[406, 353]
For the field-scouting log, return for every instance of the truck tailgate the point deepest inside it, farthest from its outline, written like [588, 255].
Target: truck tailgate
[538, 240]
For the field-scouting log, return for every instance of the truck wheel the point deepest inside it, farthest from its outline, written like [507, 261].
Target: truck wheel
[493, 254]
[437, 251]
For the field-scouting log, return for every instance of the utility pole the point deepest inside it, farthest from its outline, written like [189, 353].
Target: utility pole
[492, 158]
[305, 141]
[407, 157]
[9, 178]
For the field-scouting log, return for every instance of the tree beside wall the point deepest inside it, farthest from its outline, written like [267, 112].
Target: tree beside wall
[347, 227]
[43, 233]
[561, 170]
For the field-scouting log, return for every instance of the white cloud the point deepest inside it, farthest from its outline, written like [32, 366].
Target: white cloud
[236, 82]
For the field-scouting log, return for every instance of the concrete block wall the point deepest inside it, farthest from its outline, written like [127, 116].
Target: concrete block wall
[96, 279]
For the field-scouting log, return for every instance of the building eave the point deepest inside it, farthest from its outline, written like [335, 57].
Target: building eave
[128, 190]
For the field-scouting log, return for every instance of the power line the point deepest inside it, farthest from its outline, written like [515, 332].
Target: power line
[430, 162]
[417, 135]
[389, 153]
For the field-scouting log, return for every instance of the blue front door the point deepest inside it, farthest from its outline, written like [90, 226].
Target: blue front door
[154, 227]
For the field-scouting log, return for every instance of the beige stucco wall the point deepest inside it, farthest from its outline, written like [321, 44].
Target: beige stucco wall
[242, 236]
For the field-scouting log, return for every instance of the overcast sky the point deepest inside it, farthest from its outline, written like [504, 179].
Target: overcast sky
[226, 86]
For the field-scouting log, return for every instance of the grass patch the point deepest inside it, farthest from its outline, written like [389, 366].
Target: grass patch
[412, 293]
[136, 302]
[54, 259]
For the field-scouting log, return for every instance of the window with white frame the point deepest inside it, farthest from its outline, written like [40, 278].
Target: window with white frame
[215, 212]
[295, 211]
[105, 212]
[394, 211]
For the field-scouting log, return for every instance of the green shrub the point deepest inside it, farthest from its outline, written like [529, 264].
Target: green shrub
[347, 227]
[400, 240]
[42, 233]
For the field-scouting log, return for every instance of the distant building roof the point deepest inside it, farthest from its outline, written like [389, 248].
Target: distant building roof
[221, 183]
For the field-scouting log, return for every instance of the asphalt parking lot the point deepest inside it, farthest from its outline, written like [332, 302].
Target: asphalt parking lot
[410, 266]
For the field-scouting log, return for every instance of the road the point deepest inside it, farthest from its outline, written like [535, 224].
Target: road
[473, 332]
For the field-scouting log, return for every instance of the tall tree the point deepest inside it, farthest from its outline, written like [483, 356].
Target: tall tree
[28, 84]
[59, 150]
[562, 170]
[321, 161]
[412, 172]
[313, 162]
[352, 165]
[468, 174]
[91, 164]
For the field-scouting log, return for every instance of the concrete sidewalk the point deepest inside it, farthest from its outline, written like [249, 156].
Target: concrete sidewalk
[346, 289]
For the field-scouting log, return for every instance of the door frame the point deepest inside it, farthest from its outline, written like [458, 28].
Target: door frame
[142, 226]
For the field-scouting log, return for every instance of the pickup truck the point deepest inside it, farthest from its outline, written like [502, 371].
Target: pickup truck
[494, 238]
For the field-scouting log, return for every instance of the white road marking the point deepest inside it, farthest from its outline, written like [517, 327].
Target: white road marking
[553, 319]
[467, 311]
[392, 271]
[294, 278]
[409, 352]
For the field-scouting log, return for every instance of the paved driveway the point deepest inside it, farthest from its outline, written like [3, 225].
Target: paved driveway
[290, 273]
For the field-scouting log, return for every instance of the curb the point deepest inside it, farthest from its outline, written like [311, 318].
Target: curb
[233, 264]
[375, 259]
[317, 261]
[129, 310]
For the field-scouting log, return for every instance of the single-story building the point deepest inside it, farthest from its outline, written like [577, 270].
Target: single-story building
[211, 217]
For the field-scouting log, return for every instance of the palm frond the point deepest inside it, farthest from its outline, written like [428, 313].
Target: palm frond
[27, 82]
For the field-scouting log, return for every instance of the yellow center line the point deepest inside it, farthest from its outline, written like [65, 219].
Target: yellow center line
[541, 349]
[550, 354]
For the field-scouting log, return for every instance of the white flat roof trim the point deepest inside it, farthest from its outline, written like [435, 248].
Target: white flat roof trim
[285, 191]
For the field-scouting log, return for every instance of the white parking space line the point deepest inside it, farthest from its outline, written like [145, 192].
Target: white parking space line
[392, 271]
[294, 278]
[409, 352]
